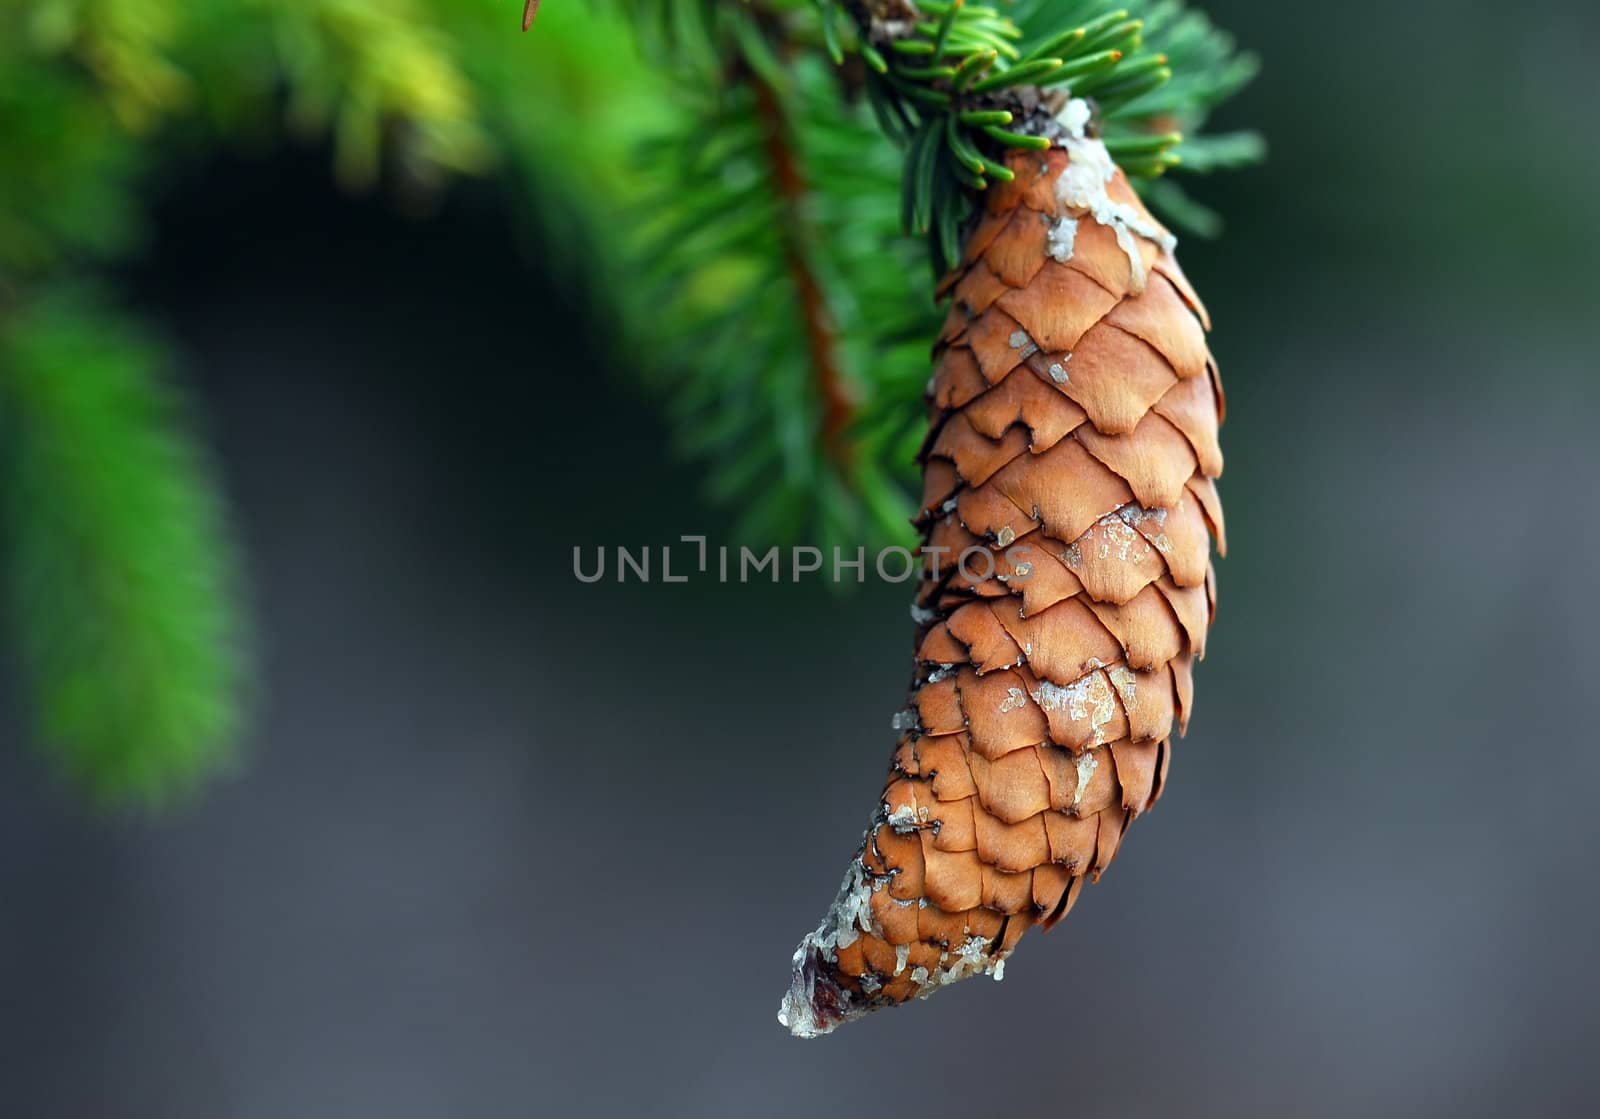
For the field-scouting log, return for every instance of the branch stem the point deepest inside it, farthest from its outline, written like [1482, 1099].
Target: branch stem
[838, 403]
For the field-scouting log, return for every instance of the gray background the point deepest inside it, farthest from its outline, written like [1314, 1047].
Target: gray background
[504, 844]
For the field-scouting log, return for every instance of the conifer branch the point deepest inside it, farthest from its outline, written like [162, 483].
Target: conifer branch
[753, 248]
[780, 308]
[120, 572]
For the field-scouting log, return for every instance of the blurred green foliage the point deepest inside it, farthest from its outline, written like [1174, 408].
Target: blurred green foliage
[120, 576]
[123, 582]
[721, 189]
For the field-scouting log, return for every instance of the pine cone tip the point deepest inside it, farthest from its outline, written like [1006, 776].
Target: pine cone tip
[815, 1004]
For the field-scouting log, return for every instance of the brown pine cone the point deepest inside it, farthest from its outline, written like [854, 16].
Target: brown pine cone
[1070, 458]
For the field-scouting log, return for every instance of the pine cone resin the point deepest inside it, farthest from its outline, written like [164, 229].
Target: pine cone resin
[1073, 444]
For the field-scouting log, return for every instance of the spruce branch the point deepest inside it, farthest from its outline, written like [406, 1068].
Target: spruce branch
[120, 572]
[753, 250]
[782, 298]
[956, 85]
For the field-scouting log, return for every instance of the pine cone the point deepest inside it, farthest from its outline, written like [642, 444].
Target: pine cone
[1071, 456]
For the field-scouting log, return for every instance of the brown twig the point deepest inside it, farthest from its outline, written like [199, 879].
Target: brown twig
[838, 403]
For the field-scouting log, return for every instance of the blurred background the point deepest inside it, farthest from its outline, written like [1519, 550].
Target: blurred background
[504, 843]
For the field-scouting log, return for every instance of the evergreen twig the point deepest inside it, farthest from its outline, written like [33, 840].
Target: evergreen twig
[120, 571]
